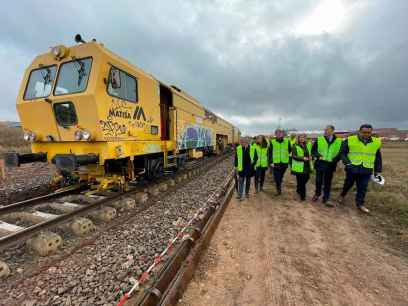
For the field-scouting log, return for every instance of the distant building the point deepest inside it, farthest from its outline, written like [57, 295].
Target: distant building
[12, 124]
[392, 134]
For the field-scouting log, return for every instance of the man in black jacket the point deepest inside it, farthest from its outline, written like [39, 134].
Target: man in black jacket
[245, 160]
[326, 153]
[361, 156]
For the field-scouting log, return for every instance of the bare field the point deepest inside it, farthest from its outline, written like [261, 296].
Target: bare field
[272, 250]
[390, 202]
[11, 140]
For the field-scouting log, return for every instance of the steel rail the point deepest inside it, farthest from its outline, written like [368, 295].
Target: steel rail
[168, 283]
[28, 232]
[37, 200]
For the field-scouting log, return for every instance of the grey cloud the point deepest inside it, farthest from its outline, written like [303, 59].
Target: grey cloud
[239, 58]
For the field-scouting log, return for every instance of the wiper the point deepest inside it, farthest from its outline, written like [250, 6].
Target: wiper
[46, 77]
[81, 71]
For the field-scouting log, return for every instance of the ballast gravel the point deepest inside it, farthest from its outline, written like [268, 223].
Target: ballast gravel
[26, 181]
[99, 273]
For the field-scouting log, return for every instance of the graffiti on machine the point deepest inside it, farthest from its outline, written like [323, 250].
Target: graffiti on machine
[120, 117]
[194, 137]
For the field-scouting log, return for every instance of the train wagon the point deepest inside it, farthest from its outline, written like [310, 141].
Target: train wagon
[99, 118]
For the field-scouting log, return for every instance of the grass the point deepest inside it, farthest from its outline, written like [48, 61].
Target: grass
[389, 203]
[11, 140]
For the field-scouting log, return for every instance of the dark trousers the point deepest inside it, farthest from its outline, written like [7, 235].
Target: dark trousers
[361, 180]
[324, 178]
[278, 174]
[301, 180]
[243, 180]
[259, 178]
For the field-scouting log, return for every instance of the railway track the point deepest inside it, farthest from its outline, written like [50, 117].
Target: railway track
[34, 221]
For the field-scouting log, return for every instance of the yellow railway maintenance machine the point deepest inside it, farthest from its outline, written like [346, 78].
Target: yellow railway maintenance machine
[100, 119]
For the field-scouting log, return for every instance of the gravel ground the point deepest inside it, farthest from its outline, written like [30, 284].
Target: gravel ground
[98, 273]
[24, 182]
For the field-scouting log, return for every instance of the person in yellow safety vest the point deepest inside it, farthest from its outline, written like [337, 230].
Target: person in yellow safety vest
[361, 156]
[262, 164]
[326, 153]
[280, 149]
[302, 164]
[245, 160]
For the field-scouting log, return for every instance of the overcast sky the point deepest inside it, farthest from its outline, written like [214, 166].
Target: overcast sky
[305, 63]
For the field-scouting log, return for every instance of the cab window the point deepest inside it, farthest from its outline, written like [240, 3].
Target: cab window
[73, 77]
[40, 83]
[122, 85]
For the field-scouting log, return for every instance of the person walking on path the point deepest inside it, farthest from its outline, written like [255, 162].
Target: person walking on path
[245, 160]
[326, 153]
[280, 149]
[361, 156]
[302, 164]
[262, 152]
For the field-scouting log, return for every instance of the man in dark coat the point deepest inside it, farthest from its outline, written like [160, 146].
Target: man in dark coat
[361, 156]
[245, 160]
[326, 153]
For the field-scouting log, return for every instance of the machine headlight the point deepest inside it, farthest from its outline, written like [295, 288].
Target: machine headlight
[59, 51]
[26, 136]
[78, 135]
[56, 51]
[86, 135]
[82, 135]
[29, 136]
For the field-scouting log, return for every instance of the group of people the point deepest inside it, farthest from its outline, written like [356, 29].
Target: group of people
[360, 154]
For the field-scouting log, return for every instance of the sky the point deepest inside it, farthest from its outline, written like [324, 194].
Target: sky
[258, 63]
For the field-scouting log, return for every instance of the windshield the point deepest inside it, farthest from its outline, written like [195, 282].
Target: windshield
[40, 83]
[73, 77]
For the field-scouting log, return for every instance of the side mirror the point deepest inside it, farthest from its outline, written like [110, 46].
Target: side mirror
[115, 78]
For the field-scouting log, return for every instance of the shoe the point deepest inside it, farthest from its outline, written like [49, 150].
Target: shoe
[315, 198]
[340, 200]
[238, 196]
[247, 196]
[262, 189]
[364, 209]
[328, 203]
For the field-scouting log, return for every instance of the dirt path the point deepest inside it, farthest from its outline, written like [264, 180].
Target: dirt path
[277, 251]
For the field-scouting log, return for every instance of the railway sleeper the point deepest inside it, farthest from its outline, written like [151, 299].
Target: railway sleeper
[8, 228]
[105, 214]
[125, 203]
[33, 217]
[163, 187]
[82, 226]
[153, 191]
[45, 243]
[4, 269]
[65, 207]
[141, 197]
